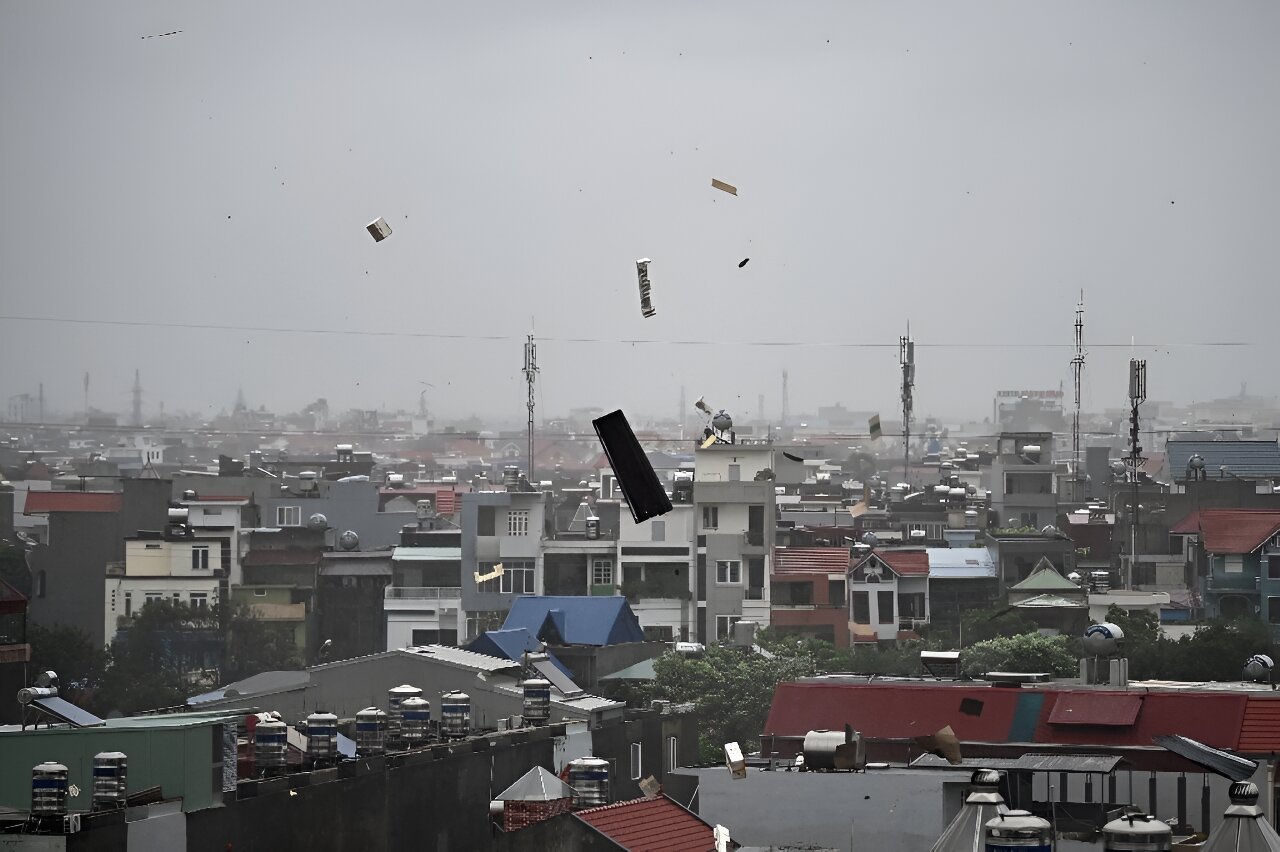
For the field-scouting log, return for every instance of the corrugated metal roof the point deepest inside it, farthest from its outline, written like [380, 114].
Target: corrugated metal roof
[427, 554]
[1230, 530]
[960, 562]
[817, 560]
[651, 825]
[1045, 578]
[457, 657]
[1027, 763]
[1260, 730]
[1247, 459]
[536, 785]
[1096, 708]
[575, 619]
[44, 502]
[1216, 760]
[1048, 601]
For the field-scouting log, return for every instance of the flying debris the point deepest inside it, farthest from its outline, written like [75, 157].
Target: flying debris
[642, 272]
[640, 486]
[711, 439]
[743, 262]
[873, 427]
[161, 35]
[379, 229]
[724, 187]
[497, 572]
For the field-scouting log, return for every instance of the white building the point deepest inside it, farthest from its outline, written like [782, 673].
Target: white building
[155, 568]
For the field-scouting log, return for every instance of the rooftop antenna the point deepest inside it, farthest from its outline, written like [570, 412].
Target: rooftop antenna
[907, 358]
[1137, 395]
[530, 374]
[1077, 375]
[784, 400]
[137, 397]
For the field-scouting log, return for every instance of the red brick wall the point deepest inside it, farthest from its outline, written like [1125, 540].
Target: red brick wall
[517, 815]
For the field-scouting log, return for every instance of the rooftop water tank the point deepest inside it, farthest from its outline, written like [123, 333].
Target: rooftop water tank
[322, 736]
[1258, 668]
[537, 701]
[48, 789]
[455, 715]
[371, 731]
[395, 695]
[1137, 833]
[110, 780]
[1019, 830]
[589, 778]
[270, 746]
[830, 750]
[415, 718]
[1102, 640]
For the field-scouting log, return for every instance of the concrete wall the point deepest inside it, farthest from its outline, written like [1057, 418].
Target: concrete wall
[74, 564]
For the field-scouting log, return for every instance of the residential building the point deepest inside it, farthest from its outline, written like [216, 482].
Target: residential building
[219, 521]
[888, 593]
[807, 592]
[658, 567]
[1237, 552]
[350, 598]
[591, 636]
[1021, 480]
[1017, 553]
[15, 651]
[580, 543]
[1252, 461]
[735, 523]
[423, 604]
[281, 574]
[961, 580]
[171, 566]
[500, 528]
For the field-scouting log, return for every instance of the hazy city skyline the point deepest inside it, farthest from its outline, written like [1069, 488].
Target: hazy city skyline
[967, 169]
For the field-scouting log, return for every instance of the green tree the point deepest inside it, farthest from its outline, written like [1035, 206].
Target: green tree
[1028, 652]
[69, 652]
[732, 688]
[161, 657]
[254, 646]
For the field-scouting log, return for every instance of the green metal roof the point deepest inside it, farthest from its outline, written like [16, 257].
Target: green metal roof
[1045, 578]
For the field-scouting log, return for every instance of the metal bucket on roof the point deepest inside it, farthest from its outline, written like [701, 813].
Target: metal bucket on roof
[589, 778]
[455, 715]
[271, 746]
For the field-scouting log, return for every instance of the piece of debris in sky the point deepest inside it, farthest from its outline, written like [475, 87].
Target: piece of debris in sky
[724, 187]
[646, 301]
[743, 262]
[873, 427]
[161, 35]
[379, 229]
[640, 486]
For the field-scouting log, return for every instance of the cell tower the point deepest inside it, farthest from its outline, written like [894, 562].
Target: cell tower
[680, 418]
[530, 374]
[1137, 395]
[907, 359]
[137, 397]
[1077, 376]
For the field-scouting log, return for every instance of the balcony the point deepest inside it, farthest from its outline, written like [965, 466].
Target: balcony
[912, 623]
[753, 538]
[1232, 583]
[419, 593]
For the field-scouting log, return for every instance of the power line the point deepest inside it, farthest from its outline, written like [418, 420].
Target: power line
[435, 335]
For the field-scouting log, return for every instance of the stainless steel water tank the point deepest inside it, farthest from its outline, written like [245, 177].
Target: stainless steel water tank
[110, 780]
[1137, 833]
[1019, 830]
[415, 717]
[537, 701]
[48, 789]
[395, 696]
[371, 731]
[589, 778]
[270, 746]
[455, 714]
[322, 736]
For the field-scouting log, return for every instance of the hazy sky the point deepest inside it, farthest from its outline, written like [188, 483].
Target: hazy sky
[967, 167]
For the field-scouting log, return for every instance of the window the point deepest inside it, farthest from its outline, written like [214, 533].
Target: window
[259, 593]
[884, 601]
[485, 522]
[209, 510]
[861, 608]
[673, 753]
[632, 572]
[517, 577]
[911, 604]
[177, 597]
[755, 578]
[636, 752]
[1234, 564]
[518, 522]
[735, 473]
[425, 637]
[288, 516]
[710, 517]
[199, 559]
[659, 530]
[602, 572]
[1273, 610]
[724, 625]
[480, 621]
[488, 587]
[1273, 567]
[199, 600]
[128, 604]
[729, 571]
[152, 597]
[835, 592]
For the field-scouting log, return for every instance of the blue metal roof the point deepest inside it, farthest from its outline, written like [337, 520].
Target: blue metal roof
[1245, 459]
[575, 620]
[511, 645]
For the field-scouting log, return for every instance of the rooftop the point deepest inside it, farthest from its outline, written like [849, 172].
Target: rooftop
[45, 502]
[1230, 530]
[651, 825]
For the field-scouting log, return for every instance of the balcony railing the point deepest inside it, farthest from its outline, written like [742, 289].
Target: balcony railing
[753, 538]
[912, 623]
[419, 593]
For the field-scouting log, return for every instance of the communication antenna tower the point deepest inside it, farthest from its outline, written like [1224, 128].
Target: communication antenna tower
[907, 358]
[1077, 376]
[530, 374]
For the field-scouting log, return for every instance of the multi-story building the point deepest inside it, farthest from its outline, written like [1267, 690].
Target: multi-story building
[888, 594]
[423, 604]
[1236, 553]
[807, 592]
[1021, 480]
[735, 524]
[500, 528]
[657, 567]
[159, 566]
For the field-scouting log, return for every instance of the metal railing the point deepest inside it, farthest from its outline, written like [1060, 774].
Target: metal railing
[422, 592]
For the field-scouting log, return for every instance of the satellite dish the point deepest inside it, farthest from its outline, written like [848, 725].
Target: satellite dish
[317, 522]
[870, 539]
[722, 422]
[348, 540]
[1102, 640]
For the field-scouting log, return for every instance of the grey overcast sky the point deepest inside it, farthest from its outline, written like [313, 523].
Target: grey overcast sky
[965, 166]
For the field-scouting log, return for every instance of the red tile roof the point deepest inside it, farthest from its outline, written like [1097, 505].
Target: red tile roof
[44, 502]
[904, 563]
[651, 825]
[1231, 530]
[800, 560]
[1260, 730]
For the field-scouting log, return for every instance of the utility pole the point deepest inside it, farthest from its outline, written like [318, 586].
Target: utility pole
[137, 397]
[530, 373]
[1077, 375]
[907, 357]
[1137, 395]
